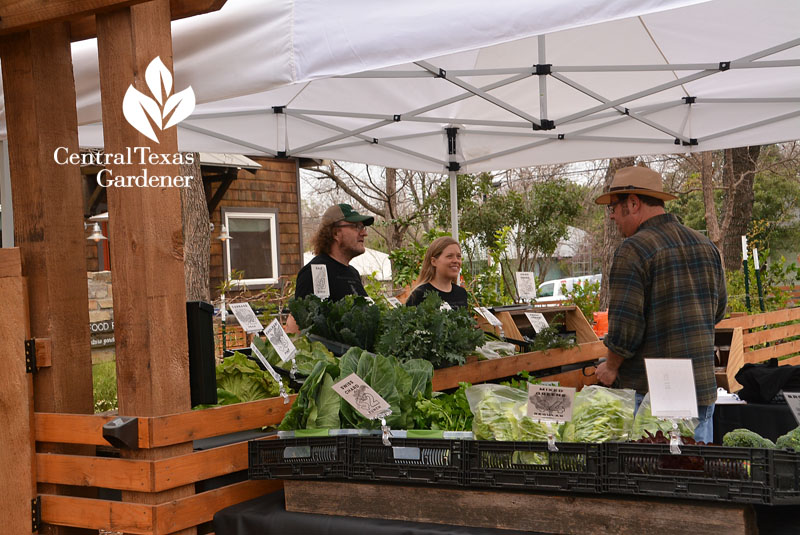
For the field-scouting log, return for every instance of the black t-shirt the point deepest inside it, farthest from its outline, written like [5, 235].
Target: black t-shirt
[342, 280]
[456, 297]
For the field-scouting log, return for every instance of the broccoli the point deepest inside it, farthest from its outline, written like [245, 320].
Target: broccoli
[789, 441]
[744, 438]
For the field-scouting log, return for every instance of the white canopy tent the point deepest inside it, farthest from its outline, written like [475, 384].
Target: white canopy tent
[475, 85]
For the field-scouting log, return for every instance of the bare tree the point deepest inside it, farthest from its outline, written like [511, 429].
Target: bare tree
[611, 236]
[196, 233]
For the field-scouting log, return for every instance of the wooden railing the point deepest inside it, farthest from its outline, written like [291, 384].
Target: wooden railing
[151, 476]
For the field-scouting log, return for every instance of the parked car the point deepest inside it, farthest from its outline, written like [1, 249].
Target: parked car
[554, 290]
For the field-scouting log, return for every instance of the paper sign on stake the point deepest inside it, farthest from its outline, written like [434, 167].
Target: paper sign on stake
[319, 275]
[370, 300]
[445, 306]
[361, 396]
[537, 321]
[280, 341]
[550, 403]
[793, 399]
[247, 317]
[393, 302]
[526, 284]
[672, 391]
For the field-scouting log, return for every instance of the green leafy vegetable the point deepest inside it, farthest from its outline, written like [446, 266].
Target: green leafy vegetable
[790, 440]
[443, 337]
[744, 438]
[500, 413]
[241, 379]
[353, 320]
[645, 422]
[308, 408]
[307, 356]
[444, 412]
[600, 414]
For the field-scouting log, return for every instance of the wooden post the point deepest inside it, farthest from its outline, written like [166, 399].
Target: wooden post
[48, 216]
[17, 469]
[145, 234]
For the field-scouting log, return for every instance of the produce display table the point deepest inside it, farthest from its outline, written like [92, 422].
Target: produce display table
[768, 420]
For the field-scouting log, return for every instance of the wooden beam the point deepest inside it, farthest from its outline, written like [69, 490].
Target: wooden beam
[20, 15]
[10, 262]
[142, 476]
[157, 431]
[145, 226]
[200, 508]
[17, 470]
[486, 370]
[770, 335]
[229, 176]
[142, 519]
[772, 352]
[133, 518]
[760, 320]
[177, 428]
[48, 209]
[570, 514]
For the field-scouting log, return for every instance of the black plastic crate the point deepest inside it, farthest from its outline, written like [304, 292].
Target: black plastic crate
[408, 460]
[743, 475]
[298, 458]
[575, 467]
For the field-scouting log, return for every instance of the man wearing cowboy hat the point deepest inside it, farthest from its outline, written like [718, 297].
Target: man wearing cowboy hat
[666, 289]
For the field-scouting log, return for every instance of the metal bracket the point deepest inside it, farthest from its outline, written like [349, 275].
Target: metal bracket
[36, 513]
[30, 356]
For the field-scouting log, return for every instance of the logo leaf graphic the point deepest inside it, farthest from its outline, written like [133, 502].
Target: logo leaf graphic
[136, 107]
[183, 102]
[157, 75]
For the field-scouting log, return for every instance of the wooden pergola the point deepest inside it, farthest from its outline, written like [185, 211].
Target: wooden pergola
[47, 462]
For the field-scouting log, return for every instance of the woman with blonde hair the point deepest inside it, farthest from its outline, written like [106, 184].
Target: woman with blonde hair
[439, 274]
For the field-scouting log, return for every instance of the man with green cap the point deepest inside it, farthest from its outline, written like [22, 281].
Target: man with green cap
[339, 239]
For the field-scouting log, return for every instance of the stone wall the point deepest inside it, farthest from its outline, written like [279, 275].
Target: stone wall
[101, 315]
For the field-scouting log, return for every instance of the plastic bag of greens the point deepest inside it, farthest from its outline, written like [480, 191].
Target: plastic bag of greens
[494, 349]
[600, 414]
[645, 421]
[500, 413]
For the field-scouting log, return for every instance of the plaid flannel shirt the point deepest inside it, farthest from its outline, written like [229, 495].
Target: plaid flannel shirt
[667, 292]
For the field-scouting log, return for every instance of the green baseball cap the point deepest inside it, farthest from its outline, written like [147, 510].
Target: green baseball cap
[345, 212]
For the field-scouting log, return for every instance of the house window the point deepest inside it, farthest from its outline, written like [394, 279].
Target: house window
[253, 247]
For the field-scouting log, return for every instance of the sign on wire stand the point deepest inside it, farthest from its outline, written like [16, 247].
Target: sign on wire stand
[550, 403]
[361, 396]
[671, 385]
[280, 341]
[393, 302]
[319, 276]
[246, 317]
[488, 316]
[537, 320]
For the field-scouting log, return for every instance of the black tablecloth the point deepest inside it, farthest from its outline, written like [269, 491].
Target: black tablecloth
[267, 515]
[768, 420]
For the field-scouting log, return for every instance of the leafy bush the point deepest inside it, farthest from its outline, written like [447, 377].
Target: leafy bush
[585, 296]
[774, 274]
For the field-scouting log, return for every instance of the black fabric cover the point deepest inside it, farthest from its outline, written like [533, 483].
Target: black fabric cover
[768, 420]
[267, 515]
[762, 382]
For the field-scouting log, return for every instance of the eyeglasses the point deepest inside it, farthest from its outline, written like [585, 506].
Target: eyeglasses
[358, 226]
[613, 205]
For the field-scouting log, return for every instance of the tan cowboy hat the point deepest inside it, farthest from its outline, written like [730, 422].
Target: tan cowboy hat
[638, 180]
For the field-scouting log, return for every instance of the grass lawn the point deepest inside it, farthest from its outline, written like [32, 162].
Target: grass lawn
[104, 383]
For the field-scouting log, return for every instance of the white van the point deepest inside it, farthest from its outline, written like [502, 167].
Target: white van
[553, 290]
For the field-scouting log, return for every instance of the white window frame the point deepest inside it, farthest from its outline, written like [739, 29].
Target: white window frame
[271, 214]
